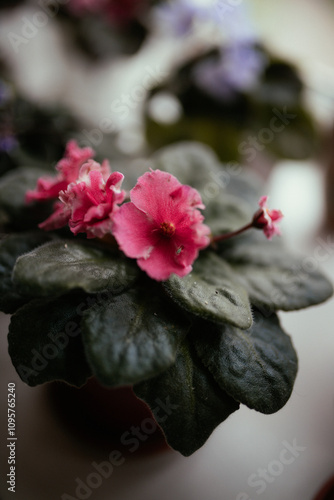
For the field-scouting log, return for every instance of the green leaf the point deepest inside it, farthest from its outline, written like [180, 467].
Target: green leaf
[212, 291]
[59, 266]
[45, 344]
[273, 278]
[191, 163]
[197, 165]
[195, 405]
[257, 367]
[253, 247]
[11, 247]
[132, 336]
[276, 288]
[226, 213]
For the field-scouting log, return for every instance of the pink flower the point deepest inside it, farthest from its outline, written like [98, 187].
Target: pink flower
[118, 11]
[126, 10]
[267, 219]
[161, 226]
[88, 204]
[68, 167]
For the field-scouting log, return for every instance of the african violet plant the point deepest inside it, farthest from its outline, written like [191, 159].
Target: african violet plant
[137, 286]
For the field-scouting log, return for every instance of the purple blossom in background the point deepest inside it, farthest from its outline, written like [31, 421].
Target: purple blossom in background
[176, 18]
[7, 143]
[239, 64]
[236, 70]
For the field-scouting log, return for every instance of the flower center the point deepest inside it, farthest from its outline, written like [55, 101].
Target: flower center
[167, 229]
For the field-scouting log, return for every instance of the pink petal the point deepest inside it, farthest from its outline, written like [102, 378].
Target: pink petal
[275, 215]
[263, 201]
[58, 219]
[134, 231]
[46, 189]
[151, 193]
[74, 158]
[115, 180]
[99, 229]
[188, 197]
[161, 264]
[271, 230]
[68, 167]
[98, 213]
[92, 166]
[266, 219]
[161, 227]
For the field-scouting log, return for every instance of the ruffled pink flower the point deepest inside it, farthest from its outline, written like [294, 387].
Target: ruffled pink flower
[48, 187]
[267, 219]
[161, 226]
[89, 204]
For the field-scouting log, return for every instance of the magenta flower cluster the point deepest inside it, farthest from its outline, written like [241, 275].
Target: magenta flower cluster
[161, 226]
[88, 193]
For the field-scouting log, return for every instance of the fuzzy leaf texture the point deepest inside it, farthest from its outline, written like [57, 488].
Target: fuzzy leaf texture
[274, 278]
[11, 247]
[257, 367]
[198, 404]
[59, 266]
[212, 291]
[44, 341]
[133, 336]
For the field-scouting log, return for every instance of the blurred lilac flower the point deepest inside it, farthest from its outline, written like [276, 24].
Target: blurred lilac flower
[239, 63]
[178, 16]
[7, 143]
[237, 70]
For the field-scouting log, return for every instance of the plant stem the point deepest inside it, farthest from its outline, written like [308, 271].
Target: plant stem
[227, 236]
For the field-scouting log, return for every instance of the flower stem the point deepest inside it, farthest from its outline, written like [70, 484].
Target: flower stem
[227, 236]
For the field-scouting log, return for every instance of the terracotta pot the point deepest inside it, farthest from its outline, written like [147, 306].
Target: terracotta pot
[327, 491]
[108, 417]
[329, 183]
